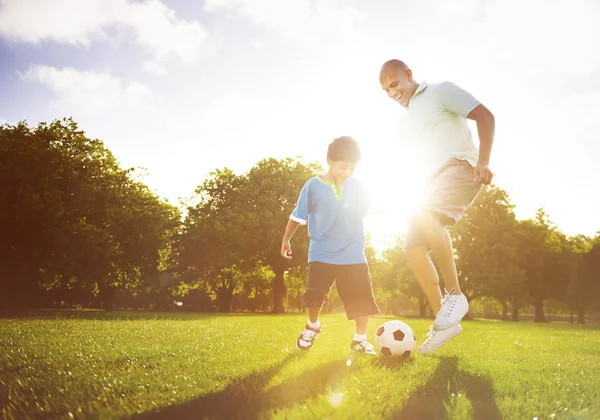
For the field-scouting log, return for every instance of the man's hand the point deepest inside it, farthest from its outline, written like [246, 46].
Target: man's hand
[482, 174]
[286, 250]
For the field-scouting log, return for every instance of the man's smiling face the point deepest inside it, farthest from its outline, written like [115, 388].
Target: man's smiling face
[398, 83]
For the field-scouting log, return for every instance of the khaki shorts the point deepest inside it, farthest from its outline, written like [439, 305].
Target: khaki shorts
[449, 193]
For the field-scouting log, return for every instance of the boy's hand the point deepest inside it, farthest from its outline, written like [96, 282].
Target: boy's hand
[482, 174]
[286, 250]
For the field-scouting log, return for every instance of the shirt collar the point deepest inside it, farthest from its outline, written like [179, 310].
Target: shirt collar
[422, 86]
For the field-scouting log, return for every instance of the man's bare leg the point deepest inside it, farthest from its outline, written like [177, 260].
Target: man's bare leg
[441, 244]
[422, 267]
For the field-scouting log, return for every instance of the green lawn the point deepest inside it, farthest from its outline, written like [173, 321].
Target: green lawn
[171, 366]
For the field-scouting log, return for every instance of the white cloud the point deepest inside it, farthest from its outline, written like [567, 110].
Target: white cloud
[79, 22]
[158, 28]
[153, 67]
[294, 20]
[89, 90]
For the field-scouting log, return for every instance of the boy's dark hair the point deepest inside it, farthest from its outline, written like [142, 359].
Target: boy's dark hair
[344, 149]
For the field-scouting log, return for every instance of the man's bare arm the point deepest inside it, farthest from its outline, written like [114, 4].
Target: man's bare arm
[486, 127]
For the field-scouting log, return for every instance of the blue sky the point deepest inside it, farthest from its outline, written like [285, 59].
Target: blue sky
[185, 87]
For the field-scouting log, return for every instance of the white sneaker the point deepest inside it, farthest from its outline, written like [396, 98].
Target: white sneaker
[454, 308]
[437, 338]
[362, 347]
[307, 338]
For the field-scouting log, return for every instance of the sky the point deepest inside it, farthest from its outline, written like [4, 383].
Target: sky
[183, 87]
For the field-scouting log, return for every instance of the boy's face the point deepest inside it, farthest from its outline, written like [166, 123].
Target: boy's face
[341, 170]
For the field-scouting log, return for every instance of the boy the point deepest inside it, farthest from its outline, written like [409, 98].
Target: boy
[436, 117]
[334, 205]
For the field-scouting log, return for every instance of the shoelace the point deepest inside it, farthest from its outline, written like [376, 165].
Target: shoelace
[430, 335]
[446, 309]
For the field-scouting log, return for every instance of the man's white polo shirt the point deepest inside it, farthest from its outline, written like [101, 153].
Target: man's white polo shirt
[435, 125]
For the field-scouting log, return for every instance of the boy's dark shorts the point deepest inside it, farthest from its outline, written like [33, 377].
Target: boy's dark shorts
[448, 195]
[353, 284]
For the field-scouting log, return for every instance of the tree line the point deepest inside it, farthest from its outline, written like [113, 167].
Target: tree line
[77, 229]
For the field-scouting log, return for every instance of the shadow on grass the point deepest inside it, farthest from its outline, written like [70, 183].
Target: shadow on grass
[431, 399]
[246, 398]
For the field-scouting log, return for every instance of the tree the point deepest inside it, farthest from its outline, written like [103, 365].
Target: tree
[588, 280]
[72, 220]
[211, 249]
[392, 277]
[544, 261]
[270, 196]
[487, 250]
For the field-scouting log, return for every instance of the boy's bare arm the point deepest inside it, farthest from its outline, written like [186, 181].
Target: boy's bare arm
[485, 128]
[286, 248]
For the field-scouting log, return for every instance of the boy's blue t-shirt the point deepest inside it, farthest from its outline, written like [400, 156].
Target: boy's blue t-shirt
[335, 220]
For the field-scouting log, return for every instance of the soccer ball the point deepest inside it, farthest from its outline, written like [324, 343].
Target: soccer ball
[395, 338]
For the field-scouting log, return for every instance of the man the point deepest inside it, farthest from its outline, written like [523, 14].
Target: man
[436, 127]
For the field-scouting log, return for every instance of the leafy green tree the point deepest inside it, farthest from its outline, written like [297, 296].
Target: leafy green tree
[588, 280]
[393, 278]
[487, 250]
[210, 250]
[270, 196]
[544, 260]
[71, 219]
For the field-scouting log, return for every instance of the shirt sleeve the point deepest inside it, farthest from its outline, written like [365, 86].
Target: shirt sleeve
[303, 205]
[456, 100]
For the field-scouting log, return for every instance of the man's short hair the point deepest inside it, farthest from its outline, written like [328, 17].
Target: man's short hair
[344, 149]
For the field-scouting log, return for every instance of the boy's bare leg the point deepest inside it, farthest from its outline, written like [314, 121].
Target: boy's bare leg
[441, 244]
[361, 324]
[422, 267]
[313, 314]
[360, 343]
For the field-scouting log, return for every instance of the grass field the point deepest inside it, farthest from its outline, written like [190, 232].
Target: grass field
[171, 366]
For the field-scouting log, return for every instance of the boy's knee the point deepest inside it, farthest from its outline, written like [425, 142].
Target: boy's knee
[313, 298]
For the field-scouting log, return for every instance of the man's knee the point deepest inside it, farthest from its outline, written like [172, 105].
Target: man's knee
[429, 218]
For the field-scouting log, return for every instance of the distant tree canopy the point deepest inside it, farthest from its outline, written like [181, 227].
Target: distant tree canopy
[72, 220]
[76, 228]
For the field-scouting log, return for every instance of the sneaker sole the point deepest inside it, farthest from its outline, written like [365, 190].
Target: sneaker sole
[303, 350]
[361, 352]
[445, 326]
[441, 344]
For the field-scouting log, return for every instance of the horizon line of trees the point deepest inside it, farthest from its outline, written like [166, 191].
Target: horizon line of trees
[78, 229]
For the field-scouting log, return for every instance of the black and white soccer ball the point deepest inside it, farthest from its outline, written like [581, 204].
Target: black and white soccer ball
[395, 338]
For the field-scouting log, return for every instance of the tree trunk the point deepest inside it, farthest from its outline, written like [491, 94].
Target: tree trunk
[225, 297]
[279, 290]
[539, 311]
[504, 311]
[581, 316]
[422, 308]
[108, 298]
[571, 316]
[468, 316]
[515, 312]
